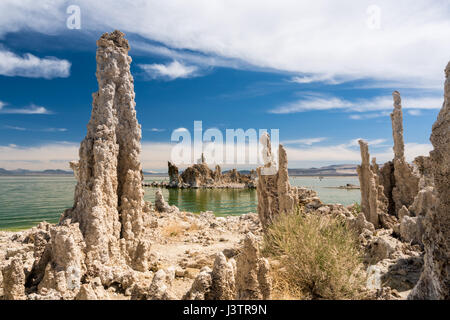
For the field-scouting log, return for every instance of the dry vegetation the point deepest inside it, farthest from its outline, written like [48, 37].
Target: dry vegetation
[176, 229]
[318, 258]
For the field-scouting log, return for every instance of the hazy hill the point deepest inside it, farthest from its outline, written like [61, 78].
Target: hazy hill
[333, 170]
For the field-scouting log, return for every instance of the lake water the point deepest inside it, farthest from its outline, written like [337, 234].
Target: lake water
[26, 201]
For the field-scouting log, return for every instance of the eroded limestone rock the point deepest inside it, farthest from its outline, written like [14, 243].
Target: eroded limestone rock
[14, 280]
[92, 291]
[223, 278]
[275, 194]
[201, 287]
[161, 283]
[373, 200]
[246, 278]
[160, 204]
[252, 272]
[434, 281]
[102, 235]
[174, 177]
[406, 182]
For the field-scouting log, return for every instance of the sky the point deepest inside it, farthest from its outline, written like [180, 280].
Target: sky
[321, 72]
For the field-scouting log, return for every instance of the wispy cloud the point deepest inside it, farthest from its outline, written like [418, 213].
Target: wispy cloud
[374, 142]
[315, 78]
[323, 37]
[415, 112]
[181, 130]
[305, 141]
[362, 116]
[38, 130]
[155, 130]
[31, 109]
[344, 153]
[155, 155]
[319, 102]
[170, 71]
[15, 128]
[30, 66]
[197, 58]
[54, 130]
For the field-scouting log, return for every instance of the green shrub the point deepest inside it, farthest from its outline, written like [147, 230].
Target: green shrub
[319, 257]
[356, 208]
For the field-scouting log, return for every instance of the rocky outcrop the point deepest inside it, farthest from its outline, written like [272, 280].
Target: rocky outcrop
[92, 291]
[246, 278]
[102, 235]
[275, 194]
[161, 285]
[201, 176]
[434, 281]
[174, 177]
[217, 174]
[373, 200]
[109, 204]
[387, 180]
[14, 280]
[406, 182]
[253, 281]
[67, 265]
[161, 205]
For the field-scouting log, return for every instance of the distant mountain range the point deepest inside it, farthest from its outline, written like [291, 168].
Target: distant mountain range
[24, 172]
[333, 170]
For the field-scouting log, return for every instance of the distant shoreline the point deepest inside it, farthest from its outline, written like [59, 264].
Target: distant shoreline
[156, 175]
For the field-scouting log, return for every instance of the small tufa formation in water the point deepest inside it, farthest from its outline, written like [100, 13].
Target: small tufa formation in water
[161, 205]
[174, 176]
[201, 176]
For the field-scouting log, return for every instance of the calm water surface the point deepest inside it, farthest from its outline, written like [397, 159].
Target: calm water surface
[26, 201]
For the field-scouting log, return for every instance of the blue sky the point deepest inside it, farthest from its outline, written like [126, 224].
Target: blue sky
[321, 74]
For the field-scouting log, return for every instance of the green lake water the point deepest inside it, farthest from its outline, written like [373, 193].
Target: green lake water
[26, 201]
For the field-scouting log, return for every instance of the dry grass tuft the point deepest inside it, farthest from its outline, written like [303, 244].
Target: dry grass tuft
[173, 229]
[177, 228]
[319, 258]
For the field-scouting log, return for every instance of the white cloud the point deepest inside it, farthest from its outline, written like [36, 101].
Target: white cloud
[154, 156]
[40, 130]
[315, 78]
[57, 156]
[31, 66]
[412, 150]
[31, 109]
[306, 141]
[49, 156]
[169, 71]
[181, 130]
[415, 112]
[155, 130]
[345, 153]
[323, 37]
[374, 142]
[369, 115]
[15, 128]
[317, 102]
[197, 58]
[54, 129]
